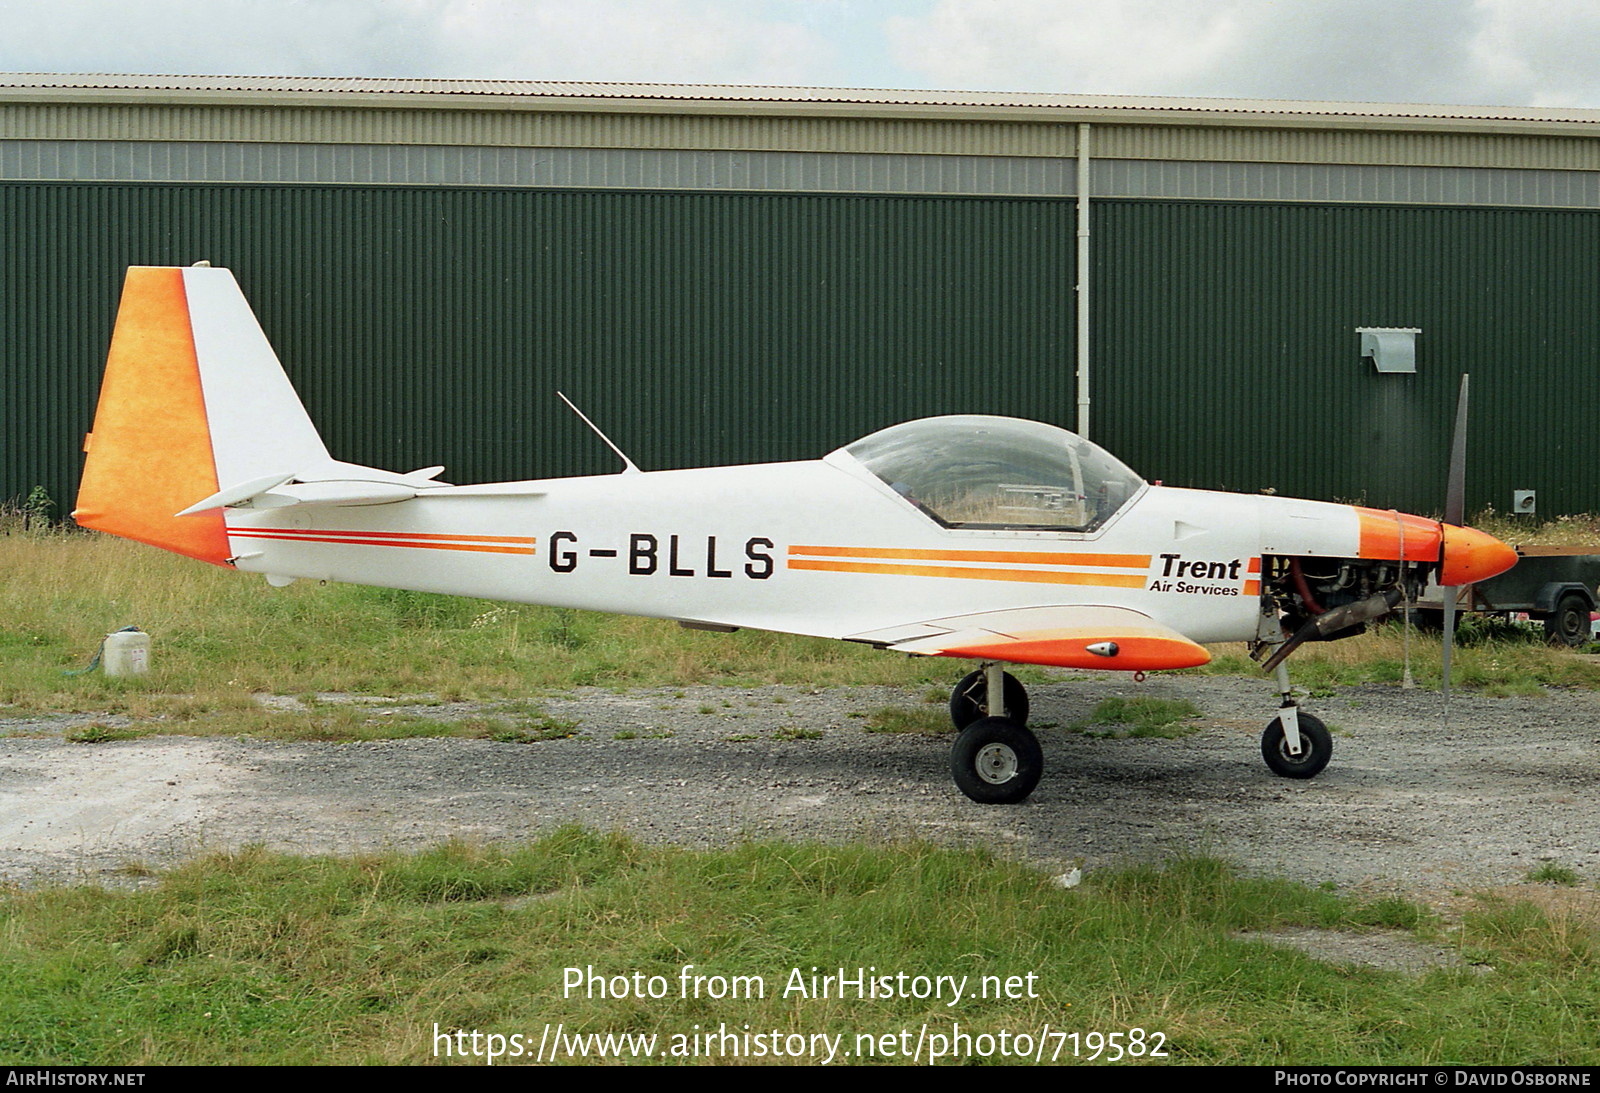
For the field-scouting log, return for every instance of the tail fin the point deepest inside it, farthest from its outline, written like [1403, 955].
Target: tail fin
[193, 401]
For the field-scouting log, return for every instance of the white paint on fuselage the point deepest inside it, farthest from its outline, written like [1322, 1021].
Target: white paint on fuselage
[713, 545]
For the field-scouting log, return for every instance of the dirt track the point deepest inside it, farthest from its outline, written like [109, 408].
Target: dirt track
[1405, 805]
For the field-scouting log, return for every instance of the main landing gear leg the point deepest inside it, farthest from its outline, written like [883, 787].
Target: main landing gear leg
[969, 701]
[996, 758]
[1289, 712]
[1295, 745]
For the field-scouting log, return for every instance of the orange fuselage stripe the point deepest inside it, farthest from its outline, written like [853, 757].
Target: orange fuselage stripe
[1021, 557]
[353, 540]
[311, 533]
[1032, 576]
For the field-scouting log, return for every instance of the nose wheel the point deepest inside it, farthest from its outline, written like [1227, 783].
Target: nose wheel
[1316, 748]
[1295, 745]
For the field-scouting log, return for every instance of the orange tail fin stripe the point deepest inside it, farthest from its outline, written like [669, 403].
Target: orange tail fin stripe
[150, 452]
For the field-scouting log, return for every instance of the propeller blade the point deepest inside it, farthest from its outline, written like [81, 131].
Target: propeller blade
[1455, 508]
[1449, 642]
[1455, 494]
[1406, 682]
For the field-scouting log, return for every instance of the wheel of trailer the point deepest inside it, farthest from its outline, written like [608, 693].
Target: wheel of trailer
[1316, 748]
[971, 695]
[1568, 624]
[996, 761]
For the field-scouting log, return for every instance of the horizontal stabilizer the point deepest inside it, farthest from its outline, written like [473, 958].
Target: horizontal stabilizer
[280, 491]
[333, 494]
[488, 489]
[1067, 636]
[332, 485]
[237, 495]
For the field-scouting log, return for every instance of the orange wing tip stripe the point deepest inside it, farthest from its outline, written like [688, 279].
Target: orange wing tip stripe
[1019, 557]
[1135, 653]
[1380, 536]
[1029, 576]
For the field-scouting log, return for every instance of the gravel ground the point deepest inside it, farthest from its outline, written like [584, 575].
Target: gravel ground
[1408, 805]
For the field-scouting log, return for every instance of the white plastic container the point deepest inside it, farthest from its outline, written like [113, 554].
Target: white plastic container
[126, 653]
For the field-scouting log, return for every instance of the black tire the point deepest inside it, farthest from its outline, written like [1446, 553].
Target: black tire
[968, 699]
[1568, 624]
[996, 761]
[1316, 748]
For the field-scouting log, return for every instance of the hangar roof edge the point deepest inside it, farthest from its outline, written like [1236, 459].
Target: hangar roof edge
[725, 98]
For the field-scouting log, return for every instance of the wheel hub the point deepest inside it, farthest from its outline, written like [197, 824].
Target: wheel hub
[996, 764]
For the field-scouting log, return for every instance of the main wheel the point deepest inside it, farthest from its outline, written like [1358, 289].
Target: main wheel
[1316, 748]
[1568, 624]
[996, 761]
[970, 698]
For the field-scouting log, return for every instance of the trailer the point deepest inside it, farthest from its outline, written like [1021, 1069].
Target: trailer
[1554, 584]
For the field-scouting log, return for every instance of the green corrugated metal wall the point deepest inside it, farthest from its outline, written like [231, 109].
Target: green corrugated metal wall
[1227, 356]
[433, 325]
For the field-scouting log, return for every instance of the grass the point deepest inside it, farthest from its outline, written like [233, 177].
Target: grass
[535, 734]
[1581, 529]
[1158, 717]
[260, 958]
[97, 733]
[919, 719]
[1553, 873]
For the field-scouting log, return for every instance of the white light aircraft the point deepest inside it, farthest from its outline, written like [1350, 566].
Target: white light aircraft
[991, 539]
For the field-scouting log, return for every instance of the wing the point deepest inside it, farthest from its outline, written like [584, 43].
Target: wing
[1068, 636]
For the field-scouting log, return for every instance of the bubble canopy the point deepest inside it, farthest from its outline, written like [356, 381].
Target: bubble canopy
[973, 471]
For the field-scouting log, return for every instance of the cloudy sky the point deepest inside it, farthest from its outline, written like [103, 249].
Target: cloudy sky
[1498, 52]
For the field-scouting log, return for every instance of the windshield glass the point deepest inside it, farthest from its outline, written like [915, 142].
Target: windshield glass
[999, 472]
